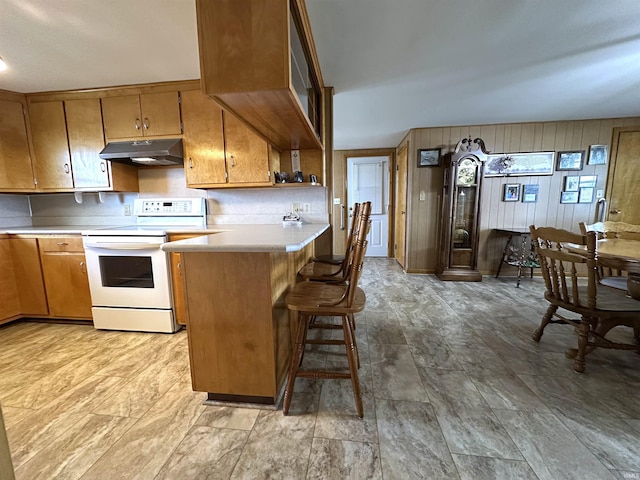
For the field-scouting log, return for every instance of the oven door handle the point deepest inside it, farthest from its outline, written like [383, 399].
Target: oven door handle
[122, 246]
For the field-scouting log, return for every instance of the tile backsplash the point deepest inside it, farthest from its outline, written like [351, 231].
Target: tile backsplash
[224, 206]
[14, 211]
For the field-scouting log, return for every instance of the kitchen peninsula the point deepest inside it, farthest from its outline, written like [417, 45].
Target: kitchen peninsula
[237, 322]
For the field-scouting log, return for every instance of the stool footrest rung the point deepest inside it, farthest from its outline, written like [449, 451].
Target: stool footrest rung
[312, 374]
[328, 326]
[325, 342]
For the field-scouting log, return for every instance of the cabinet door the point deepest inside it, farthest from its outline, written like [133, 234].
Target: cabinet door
[16, 171]
[49, 133]
[122, 117]
[203, 140]
[28, 276]
[177, 282]
[9, 300]
[67, 285]
[161, 113]
[86, 139]
[246, 153]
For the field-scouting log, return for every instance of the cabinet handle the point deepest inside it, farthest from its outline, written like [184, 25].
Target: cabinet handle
[190, 163]
[103, 167]
[66, 168]
[82, 267]
[233, 162]
[145, 124]
[62, 243]
[137, 124]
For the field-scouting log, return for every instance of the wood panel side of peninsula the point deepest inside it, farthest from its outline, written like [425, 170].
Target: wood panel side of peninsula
[238, 326]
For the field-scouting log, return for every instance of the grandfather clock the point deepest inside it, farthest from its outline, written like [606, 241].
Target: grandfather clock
[461, 212]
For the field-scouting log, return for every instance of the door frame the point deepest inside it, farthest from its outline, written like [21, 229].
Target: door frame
[388, 203]
[340, 190]
[613, 157]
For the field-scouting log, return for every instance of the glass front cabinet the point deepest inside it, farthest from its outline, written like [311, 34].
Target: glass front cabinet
[461, 212]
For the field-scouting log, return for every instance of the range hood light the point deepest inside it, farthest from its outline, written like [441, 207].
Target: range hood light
[143, 160]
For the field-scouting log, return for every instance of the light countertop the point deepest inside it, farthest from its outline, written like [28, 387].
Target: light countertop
[50, 230]
[250, 238]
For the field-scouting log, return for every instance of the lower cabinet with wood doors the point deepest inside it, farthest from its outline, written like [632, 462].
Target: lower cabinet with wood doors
[65, 277]
[177, 281]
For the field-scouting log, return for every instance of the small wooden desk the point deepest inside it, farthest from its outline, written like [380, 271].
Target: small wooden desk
[521, 261]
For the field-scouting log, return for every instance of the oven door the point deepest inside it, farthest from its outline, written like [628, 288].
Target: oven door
[131, 272]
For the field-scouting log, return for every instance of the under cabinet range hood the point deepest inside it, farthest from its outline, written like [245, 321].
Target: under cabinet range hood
[166, 151]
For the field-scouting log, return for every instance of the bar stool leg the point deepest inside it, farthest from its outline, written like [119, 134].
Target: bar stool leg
[349, 344]
[296, 359]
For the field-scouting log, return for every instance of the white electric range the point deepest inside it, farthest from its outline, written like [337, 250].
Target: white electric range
[129, 275]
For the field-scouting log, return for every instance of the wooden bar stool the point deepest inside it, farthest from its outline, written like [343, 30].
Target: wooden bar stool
[330, 272]
[307, 300]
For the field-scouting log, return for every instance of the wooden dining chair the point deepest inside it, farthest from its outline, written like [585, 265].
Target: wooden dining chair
[562, 256]
[320, 270]
[309, 300]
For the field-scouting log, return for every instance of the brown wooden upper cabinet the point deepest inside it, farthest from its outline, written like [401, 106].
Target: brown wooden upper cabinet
[16, 169]
[258, 60]
[145, 115]
[220, 151]
[67, 139]
[50, 146]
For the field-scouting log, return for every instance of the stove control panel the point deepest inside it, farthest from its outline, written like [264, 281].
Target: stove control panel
[176, 207]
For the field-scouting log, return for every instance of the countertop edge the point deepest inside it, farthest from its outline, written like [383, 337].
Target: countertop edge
[228, 241]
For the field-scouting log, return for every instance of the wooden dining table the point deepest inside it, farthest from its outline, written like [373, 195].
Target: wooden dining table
[621, 254]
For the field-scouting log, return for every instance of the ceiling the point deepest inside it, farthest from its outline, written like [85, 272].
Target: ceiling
[394, 64]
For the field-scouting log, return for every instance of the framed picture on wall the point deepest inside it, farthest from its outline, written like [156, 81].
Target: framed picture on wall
[530, 193]
[572, 160]
[571, 184]
[513, 164]
[569, 197]
[588, 181]
[598, 155]
[511, 192]
[586, 195]
[428, 157]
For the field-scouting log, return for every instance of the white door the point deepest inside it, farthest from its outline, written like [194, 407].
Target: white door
[368, 181]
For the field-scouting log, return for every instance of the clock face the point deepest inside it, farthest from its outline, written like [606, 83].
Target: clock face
[467, 175]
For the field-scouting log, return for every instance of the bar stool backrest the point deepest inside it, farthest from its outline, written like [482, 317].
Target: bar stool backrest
[360, 249]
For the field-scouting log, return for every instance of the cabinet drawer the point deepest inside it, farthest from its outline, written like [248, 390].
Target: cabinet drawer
[61, 244]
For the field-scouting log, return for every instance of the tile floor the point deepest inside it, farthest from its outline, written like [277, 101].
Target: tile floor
[453, 388]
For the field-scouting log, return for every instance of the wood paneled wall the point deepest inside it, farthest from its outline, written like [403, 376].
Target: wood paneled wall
[423, 216]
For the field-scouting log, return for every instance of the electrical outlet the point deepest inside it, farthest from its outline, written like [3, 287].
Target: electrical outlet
[306, 208]
[295, 207]
[126, 210]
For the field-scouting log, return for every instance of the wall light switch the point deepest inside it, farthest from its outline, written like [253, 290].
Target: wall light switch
[336, 201]
[599, 193]
[126, 210]
[423, 196]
